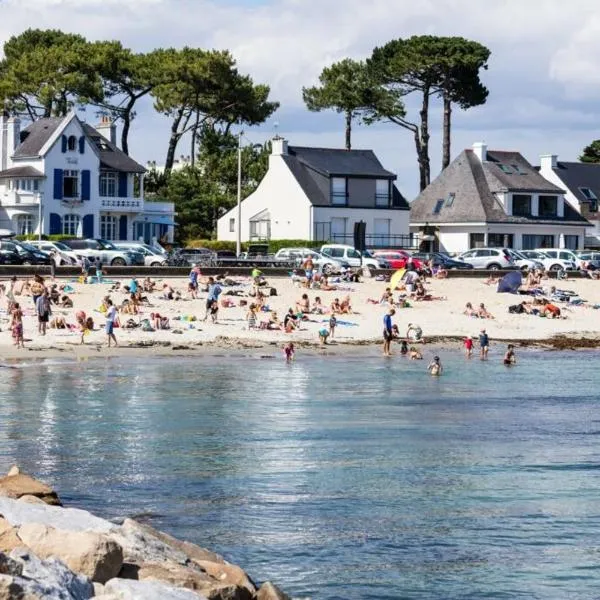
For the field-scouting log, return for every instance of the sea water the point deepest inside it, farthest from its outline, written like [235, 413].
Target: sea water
[350, 476]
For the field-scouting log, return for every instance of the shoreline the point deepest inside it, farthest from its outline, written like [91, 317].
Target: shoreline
[235, 346]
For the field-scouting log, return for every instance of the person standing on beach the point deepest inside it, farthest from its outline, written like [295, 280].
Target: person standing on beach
[111, 317]
[484, 344]
[309, 266]
[468, 343]
[214, 291]
[42, 309]
[17, 325]
[388, 332]
[332, 325]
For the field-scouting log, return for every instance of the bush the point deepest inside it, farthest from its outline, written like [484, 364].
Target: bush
[57, 237]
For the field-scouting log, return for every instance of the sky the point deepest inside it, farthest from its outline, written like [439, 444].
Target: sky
[543, 76]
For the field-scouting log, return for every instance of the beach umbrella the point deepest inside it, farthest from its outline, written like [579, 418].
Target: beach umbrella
[510, 283]
[396, 277]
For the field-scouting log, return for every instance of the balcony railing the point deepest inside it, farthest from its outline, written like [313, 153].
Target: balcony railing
[127, 204]
[20, 198]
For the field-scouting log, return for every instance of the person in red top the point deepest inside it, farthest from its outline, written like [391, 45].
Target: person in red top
[468, 346]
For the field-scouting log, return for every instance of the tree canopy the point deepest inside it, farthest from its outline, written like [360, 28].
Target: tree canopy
[591, 153]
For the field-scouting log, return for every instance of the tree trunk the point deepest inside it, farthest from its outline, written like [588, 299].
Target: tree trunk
[127, 124]
[420, 159]
[423, 142]
[446, 130]
[173, 141]
[194, 138]
[348, 130]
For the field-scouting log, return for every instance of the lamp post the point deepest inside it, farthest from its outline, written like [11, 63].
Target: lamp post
[238, 246]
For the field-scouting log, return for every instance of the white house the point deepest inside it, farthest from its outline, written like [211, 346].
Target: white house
[59, 175]
[318, 194]
[581, 181]
[494, 198]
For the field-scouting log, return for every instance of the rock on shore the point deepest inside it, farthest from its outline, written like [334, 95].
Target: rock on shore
[55, 553]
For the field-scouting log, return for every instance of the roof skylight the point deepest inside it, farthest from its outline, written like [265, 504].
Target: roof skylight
[438, 206]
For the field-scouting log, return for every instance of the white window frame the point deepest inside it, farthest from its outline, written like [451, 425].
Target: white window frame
[108, 227]
[24, 224]
[382, 192]
[71, 224]
[339, 197]
[71, 174]
[108, 184]
[231, 225]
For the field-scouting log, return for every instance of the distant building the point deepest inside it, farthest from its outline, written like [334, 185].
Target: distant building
[59, 175]
[178, 164]
[581, 181]
[319, 194]
[495, 198]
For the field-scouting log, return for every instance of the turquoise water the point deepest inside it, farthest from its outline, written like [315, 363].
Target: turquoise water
[349, 477]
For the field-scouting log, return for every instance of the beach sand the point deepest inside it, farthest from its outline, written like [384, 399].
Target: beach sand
[441, 320]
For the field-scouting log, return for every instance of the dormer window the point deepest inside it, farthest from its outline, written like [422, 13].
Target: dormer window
[548, 206]
[589, 194]
[339, 193]
[382, 192]
[72, 143]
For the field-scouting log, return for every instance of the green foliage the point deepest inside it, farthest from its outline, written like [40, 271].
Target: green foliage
[55, 237]
[274, 245]
[348, 87]
[203, 193]
[591, 153]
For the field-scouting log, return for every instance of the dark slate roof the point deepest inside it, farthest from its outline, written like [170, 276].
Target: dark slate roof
[576, 175]
[110, 156]
[474, 201]
[308, 179]
[332, 162]
[20, 172]
[523, 177]
[35, 135]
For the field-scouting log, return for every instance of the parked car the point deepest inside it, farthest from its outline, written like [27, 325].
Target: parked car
[563, 253]
[152, 256]
[198, 255]
[488, 258]
[550, 264]
[105, 252]
[29, 255]
[9, 256]
[352, 256]
[63, 255]
[442, 260]
[397, 259]
[587, 255]
[523, 262]
[327, 264]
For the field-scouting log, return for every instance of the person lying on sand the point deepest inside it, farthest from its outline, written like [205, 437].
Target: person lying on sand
[469, 310]
[346, 306]
[484, 313]
[336, 307]
[491, 280]
[303, 305]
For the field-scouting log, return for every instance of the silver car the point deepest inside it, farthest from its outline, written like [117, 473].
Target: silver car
[327, 264]
[152, 256]
[488, 258]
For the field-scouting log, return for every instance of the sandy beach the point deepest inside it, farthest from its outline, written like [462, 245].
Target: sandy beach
[441, 320]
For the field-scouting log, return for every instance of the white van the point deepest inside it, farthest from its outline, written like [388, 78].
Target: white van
[351, 256]
[562, 253]
[152, 256]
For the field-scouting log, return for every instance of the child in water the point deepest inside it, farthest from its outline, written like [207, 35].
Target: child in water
[403, 347]
[414, 354]
[509, 357]
[468, 346]
[288, 350]
[435, 366]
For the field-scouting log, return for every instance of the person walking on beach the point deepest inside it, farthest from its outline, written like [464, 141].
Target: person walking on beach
[214, 291]
[42, 309]
[509, 356]
[111, 317]
[332, 325]
[388, 332]
[484, 344]
[17, 325]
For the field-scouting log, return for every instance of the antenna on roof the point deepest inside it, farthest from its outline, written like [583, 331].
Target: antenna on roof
[276, 135]
[82, 109]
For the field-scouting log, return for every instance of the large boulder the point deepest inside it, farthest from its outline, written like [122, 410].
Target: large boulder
[143, 544]
[92, 554]
[41, 580]
[269, 591]
[69, 519]
[128, 589]
[19, 484]
[9, 540]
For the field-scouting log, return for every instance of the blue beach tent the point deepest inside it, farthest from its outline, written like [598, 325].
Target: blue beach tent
[510, 283]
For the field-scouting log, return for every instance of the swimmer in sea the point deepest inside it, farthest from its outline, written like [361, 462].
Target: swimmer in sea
[435, 366]
[509, 357]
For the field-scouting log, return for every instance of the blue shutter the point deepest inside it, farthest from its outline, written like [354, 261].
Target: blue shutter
[55, 224]
[82, 145]
[88, 226]
[58, 184]
[85, 184]
[64, 143]
[123, 228]
[122, 185]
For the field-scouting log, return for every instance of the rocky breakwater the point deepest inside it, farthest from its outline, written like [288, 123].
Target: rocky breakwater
[57, 553]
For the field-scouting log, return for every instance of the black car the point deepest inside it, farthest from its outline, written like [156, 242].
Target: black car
[442, 260]
[10, 257]
[29, 255]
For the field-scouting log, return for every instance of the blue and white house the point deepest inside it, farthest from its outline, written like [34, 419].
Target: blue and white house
[59, 175]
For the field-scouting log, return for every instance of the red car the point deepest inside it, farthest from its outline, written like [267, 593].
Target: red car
[397, 258]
